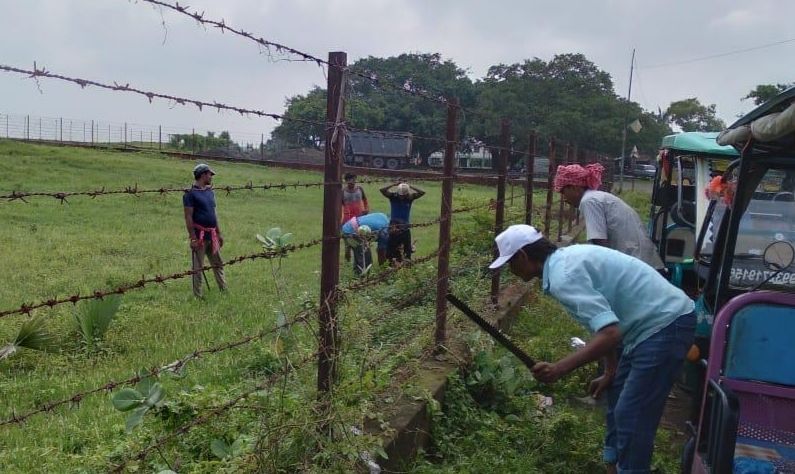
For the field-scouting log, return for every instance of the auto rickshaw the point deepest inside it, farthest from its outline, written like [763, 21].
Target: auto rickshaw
[685, 163]
[745, 421]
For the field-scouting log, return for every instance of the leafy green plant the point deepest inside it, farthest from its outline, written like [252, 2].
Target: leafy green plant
[31, 335]
[493, 381]
[276, 241]
[94, 319]
[146, 395]
[222, 449]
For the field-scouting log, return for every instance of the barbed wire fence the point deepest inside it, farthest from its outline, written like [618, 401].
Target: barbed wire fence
[322, 321]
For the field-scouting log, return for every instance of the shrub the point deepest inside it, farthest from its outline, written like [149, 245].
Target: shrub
[31, 335]
[93, 320]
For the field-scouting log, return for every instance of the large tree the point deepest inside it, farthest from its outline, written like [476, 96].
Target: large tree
[764, 92]
[568, 97]
[692, 116]
[372, 105]
[310, 107]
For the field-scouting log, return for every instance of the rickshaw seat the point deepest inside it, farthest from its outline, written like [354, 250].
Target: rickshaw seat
[680, 244]
[761, 339]
[751, 355]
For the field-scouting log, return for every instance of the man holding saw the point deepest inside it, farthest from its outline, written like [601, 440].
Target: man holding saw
[642, 327]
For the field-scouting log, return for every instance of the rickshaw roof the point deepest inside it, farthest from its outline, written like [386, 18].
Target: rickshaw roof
[698, 142]
[771, 125]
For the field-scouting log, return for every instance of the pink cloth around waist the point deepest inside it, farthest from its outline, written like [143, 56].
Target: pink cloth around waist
[213, 236]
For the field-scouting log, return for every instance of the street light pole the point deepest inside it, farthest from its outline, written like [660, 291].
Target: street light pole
[624, 124]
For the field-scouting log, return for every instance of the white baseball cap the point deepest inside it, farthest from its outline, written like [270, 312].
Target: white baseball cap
[512, 239]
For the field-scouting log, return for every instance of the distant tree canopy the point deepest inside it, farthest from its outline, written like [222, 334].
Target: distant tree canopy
[764, 92]
[196, 142]
[568, 97]
[692, 116]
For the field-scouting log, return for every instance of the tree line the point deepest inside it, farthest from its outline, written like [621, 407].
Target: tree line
[568, 97]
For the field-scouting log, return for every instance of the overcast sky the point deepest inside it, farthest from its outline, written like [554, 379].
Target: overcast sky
[124, 41]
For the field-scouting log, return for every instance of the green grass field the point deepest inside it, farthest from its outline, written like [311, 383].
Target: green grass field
[52, 249]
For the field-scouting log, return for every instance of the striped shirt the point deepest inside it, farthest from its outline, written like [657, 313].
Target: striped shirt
[609, 218]
[354, 203]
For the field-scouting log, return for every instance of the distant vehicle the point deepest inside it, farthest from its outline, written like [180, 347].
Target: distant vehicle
[540, 169]
[644, 171]
[378, 150]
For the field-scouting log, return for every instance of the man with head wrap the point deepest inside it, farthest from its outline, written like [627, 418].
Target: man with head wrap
[609, 221]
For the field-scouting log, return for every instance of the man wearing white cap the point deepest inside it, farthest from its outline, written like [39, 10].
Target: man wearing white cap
[203, 230]
[642, 326]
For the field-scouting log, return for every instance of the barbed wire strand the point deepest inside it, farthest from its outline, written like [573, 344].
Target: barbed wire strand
[134, 190]
[407, 87]
[37, 72]
[143, 282]
[171, 367]
[63, 196]
[218, 410]
[179, 364]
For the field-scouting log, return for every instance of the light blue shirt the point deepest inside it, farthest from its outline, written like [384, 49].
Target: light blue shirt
[376, 221]
[599, 286]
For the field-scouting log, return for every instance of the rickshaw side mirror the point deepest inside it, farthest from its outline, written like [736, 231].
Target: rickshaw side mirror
[779, 255]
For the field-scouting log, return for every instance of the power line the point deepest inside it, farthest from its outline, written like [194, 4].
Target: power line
[721, 55]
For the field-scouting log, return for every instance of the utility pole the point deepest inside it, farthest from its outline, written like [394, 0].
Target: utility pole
[624, 124]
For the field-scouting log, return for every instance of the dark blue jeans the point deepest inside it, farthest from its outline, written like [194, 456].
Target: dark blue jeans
[636, 400]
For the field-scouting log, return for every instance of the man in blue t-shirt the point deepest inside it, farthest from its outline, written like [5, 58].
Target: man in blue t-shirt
[202, 225]
[376, 227]
[641, 324]
[401, 195]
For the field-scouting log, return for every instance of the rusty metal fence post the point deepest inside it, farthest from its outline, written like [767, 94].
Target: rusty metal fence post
[550, 180]
[530, 161]
[560, 196]
[332, 197]
[443, 266]
[499, 214]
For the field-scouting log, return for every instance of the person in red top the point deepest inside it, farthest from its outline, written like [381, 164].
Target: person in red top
[354, 204]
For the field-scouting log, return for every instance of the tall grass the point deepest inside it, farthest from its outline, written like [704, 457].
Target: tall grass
[88, 244]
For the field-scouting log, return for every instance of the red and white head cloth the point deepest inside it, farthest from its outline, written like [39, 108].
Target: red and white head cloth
[588, 176]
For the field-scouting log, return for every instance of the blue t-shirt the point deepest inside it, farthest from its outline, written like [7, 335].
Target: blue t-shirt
[599, 286]
[203, 203]
[378, 222]
[400, 207]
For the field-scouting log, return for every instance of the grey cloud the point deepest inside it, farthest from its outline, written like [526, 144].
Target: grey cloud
[122, 40]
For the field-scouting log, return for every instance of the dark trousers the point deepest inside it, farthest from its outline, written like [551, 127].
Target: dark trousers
[636, 400]
[399, 246]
